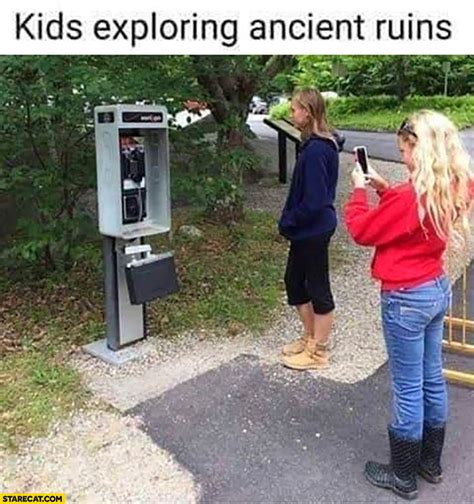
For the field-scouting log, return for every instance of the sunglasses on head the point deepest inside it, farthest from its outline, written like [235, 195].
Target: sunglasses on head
[406, 127]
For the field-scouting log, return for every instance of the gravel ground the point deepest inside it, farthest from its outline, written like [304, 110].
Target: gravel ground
[357, 346]
[101, 456]
[97, 457]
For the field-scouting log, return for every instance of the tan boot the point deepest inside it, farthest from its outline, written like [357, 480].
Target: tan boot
[296, 346]
[314, 356]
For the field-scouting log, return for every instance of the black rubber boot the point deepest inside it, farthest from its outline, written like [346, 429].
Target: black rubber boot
[431, 449]
[400, 475]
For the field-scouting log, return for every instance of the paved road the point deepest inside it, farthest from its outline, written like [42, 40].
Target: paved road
[379, 145]
[383, 145]
[254, 433]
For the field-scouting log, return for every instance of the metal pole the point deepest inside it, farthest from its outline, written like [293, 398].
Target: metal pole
[282, 161]
[297, 150]
[145, 313]
[111, 293]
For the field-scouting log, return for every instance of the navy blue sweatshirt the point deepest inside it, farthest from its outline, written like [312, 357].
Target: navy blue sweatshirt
[309, 208]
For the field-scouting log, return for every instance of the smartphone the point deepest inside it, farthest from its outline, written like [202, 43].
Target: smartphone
[361, 156]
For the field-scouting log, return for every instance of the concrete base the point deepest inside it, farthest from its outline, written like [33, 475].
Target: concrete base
[120, 357]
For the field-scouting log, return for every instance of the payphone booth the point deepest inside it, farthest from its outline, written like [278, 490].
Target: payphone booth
[133, 184]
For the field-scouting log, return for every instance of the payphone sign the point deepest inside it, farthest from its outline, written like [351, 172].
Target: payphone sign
[142, 117]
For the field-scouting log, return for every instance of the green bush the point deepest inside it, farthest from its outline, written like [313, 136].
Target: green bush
[280, 111]
[386, 113]
[207, 178]
[221, 198]
[354, 105]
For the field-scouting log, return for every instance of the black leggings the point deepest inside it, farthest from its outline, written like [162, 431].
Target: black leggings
[307, 273]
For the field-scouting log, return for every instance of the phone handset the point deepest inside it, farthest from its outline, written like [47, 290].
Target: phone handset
[135, 165]
[134, 183]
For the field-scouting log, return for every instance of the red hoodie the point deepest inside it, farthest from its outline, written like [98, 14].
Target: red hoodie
[406, 255]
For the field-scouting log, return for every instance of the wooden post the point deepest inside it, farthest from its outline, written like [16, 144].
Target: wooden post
[282, 164]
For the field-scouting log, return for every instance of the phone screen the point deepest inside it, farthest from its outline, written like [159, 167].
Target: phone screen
[361, 155]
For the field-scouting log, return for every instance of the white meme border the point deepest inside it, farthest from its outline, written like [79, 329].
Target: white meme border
[186, 27]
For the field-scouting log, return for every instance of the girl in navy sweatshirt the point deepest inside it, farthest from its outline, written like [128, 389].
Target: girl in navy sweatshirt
[308, 221]
[409, 230]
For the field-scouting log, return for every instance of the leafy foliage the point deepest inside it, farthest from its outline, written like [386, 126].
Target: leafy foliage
[47, 153]
[386, 113]
[400, 76]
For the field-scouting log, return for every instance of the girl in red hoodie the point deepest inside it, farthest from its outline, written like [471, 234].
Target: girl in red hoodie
[409, 230]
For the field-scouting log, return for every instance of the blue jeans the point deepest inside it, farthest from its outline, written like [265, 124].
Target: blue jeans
[413, 329]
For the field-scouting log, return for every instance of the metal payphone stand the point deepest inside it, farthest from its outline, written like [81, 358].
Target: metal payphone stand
[133, 203]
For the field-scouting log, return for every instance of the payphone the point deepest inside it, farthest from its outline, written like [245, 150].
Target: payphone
[133, 180]
[133, 187]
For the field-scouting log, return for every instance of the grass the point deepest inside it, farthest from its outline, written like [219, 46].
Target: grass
[230, 275]
[36, 389]
[231, 279]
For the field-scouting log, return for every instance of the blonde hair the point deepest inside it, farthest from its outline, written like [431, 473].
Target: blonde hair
[441, 172]
[313, 102]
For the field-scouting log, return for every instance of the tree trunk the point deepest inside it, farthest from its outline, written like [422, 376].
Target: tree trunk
[402, 88]
[48, 258]
[230, 84]
[231, 128]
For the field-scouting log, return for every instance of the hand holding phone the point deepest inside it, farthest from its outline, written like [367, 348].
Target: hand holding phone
[371, 176]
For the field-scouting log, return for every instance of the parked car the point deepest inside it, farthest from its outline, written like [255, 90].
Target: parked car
[258, 106]
[277, 99]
